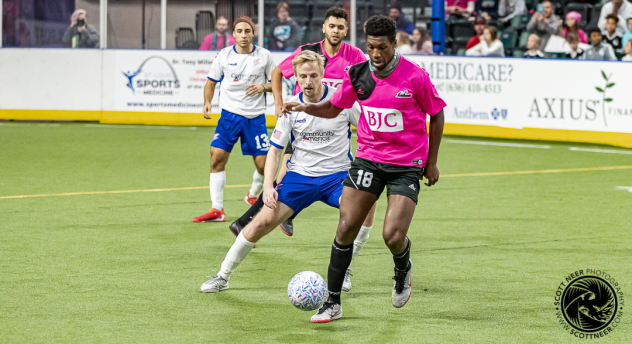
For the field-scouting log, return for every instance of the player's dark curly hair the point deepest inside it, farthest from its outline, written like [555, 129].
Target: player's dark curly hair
[337, 12]
[381, 25]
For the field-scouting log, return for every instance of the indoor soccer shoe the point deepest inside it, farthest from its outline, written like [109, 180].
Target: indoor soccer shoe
[402, 287]
[212, 215]
[250, 200]
[214, 285]
[235, 228]
[328, 312]
[346, 284]
[287, 227]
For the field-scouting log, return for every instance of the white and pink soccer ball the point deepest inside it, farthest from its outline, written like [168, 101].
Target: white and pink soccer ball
[307, 291]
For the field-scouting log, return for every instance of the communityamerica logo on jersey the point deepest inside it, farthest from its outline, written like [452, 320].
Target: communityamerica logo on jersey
[246, 77]
[317, 136]
[589, 304]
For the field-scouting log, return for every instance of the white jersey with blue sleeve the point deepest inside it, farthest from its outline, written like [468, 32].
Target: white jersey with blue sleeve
[234, 72]
[321, 146]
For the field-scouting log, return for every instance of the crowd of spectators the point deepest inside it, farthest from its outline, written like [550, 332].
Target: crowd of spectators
[608, 38]
[602, 39]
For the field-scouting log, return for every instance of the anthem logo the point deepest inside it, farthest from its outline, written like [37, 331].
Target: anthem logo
[589, 304]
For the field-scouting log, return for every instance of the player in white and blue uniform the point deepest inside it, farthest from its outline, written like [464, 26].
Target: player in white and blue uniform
[319, 165]
[243, 71]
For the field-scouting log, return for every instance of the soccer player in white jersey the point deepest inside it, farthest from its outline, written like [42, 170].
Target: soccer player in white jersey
[243, 72]
[338, 57]
[316, 170]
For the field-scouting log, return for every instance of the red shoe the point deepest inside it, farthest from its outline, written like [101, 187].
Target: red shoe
[250, 200]
[212, 215]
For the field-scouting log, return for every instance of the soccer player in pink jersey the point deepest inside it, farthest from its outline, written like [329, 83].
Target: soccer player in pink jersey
[339, 56]
[395, 95]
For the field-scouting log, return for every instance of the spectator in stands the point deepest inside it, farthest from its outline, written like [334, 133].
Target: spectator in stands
[80, 34]
[621, 8]
[421, 42]
[285, 33]
[533, 47]
[402, 24]
[628, 50]
[490, 45]
[628, 35]
[403, 43]
[573, 42]
[507, 9]
[458, 9]
[597, 50]
[479, 26]
[573, 19]
[487, 9]
[544, 24]
[612, 37]
[219, 39]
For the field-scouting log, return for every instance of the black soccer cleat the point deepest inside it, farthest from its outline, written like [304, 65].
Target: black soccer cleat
[235, 228]
[287, 227]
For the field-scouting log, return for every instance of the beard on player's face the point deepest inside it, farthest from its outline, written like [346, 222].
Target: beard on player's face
[335, 29]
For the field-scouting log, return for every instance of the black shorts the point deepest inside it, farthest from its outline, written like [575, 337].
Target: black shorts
[370, 176]
[288, 149]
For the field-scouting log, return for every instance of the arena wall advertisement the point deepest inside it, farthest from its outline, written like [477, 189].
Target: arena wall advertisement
[514, 98]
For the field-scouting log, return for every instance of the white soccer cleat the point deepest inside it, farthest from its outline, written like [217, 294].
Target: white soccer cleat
[214, 285]
[346, 284]
[402, 287]
[327, 313]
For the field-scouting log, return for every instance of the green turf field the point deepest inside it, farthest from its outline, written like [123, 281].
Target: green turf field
[489, 250]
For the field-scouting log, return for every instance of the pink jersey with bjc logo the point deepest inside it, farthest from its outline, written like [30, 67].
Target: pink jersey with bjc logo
[392, 127]
[335, 67]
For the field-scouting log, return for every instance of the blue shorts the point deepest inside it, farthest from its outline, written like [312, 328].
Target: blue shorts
[252, 131]
[299, 192]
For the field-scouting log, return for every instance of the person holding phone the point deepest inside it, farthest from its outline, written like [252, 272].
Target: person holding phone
[544, 23]
[80, 34]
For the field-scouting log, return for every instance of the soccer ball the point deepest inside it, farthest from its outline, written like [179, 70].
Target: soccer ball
[307, 291]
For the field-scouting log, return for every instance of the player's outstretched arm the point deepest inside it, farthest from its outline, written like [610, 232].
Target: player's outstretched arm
[277, 89]
[209, 91]
[324, 109]
[431, 172]
[270, 195]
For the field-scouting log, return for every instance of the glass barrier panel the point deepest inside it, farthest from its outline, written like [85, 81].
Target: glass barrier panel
[49, 23]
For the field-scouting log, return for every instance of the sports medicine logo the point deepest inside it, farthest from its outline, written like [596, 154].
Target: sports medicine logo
[589, 304]
[153, 78]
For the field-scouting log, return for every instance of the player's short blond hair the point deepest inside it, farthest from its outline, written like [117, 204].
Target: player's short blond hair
[308, 56]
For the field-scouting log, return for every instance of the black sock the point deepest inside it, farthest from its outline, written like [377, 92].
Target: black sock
[338, 264]
[401, 260]
[252, 211]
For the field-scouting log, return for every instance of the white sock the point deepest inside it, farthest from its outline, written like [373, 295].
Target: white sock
[216, 185]
[235, 255]
[360, 240]
[257, 184]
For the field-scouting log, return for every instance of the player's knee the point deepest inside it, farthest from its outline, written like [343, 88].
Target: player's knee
[347, 230]
[393, 239]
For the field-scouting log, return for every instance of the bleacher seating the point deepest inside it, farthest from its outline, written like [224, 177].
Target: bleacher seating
[185, 39]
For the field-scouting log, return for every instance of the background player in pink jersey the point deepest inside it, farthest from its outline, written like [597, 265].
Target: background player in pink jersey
[393, 153]
[339, 56]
